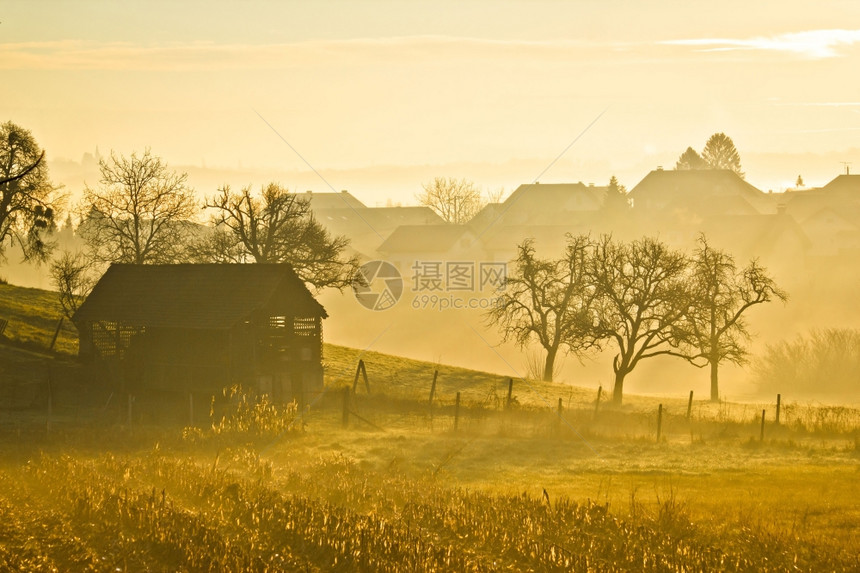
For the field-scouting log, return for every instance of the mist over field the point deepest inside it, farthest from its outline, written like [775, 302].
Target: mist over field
[429, 286]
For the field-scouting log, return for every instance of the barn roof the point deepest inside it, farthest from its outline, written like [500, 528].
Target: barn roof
[195, 295]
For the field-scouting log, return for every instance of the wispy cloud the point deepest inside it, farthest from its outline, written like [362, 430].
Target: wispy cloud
[812, 44]
[210, 55]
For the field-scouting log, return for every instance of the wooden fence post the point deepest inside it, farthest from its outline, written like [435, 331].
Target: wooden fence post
[56, 333]
[345, 419]
[778, 403]
[50, 402]
[690, 405]
[659, 422]
[457, 412]
[558, 421]
[433, 387]
[510, 393]
[761, 437]
[361, 370]
[597, 404]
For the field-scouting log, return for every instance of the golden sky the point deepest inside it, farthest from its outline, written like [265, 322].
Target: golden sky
[493, 91]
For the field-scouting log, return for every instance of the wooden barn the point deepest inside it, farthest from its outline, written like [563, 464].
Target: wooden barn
[202, 327]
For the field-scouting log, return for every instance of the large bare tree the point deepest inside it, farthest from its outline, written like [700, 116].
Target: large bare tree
[140, 213]
[644, 292]
[714, 329]
[456, 201]
[27, 197]
[277, 226]
[550, 301]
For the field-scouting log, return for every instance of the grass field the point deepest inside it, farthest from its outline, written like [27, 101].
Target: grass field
[268, 488]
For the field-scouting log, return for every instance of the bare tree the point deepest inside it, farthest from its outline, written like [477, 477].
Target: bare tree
[714, 328]
[720, 153]
[278, 227]
[73, 276]
[551, 301]
[690, 159]
[643, 294]
[27, 197]
[456, 201]
[140, 213]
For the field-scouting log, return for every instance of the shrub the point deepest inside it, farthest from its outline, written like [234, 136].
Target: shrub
[824, 364]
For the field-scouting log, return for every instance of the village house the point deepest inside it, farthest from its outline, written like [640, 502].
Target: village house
[200, 328]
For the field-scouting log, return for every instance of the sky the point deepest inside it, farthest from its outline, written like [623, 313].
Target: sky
[377, 97]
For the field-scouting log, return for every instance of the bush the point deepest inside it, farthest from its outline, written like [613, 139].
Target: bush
[825, 364]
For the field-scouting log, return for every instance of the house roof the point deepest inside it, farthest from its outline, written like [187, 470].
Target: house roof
[661, 187]
[844, 183]
[195, 295]
[423, 238]
[374, 219]
[542, 200]
[344, 199]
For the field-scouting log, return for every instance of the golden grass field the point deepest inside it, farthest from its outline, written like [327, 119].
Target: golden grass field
[262, 487]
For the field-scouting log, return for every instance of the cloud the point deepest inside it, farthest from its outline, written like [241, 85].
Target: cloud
[80, 55]
[811, 44]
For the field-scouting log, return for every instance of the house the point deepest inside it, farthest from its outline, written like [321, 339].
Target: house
[434, 258]
[200, 328]
[720, 189]
[541, 204]
[326, 200]
[367, 227]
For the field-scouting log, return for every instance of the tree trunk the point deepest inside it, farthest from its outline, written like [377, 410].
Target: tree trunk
[618, 390]
[715, 389]
[549, 365]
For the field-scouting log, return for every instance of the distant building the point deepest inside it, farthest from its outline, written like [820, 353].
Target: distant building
[342, 200]
[199, 328]
[368, 227]
[705, 192]
[409, 244]
[830, 215]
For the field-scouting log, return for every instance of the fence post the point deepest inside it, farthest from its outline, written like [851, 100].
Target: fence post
[50, 401]
[345, 413]
[690, 405]
[361, 370]
[433, 388]
[558, 421]
[659, 422]
[56, 333]
[510, 393]
[778, 403]
[457, 412]
[364, 373]
[761, 437]
[597, 404]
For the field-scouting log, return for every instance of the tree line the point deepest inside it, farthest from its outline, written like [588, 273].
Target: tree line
[639, 299]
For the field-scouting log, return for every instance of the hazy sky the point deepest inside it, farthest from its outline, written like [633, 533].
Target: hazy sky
[368, 85]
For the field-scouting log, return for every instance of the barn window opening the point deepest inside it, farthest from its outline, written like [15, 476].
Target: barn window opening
[114, 338]
[305, 327]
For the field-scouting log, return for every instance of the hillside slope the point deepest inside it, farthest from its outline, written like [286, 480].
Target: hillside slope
[33, 315]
